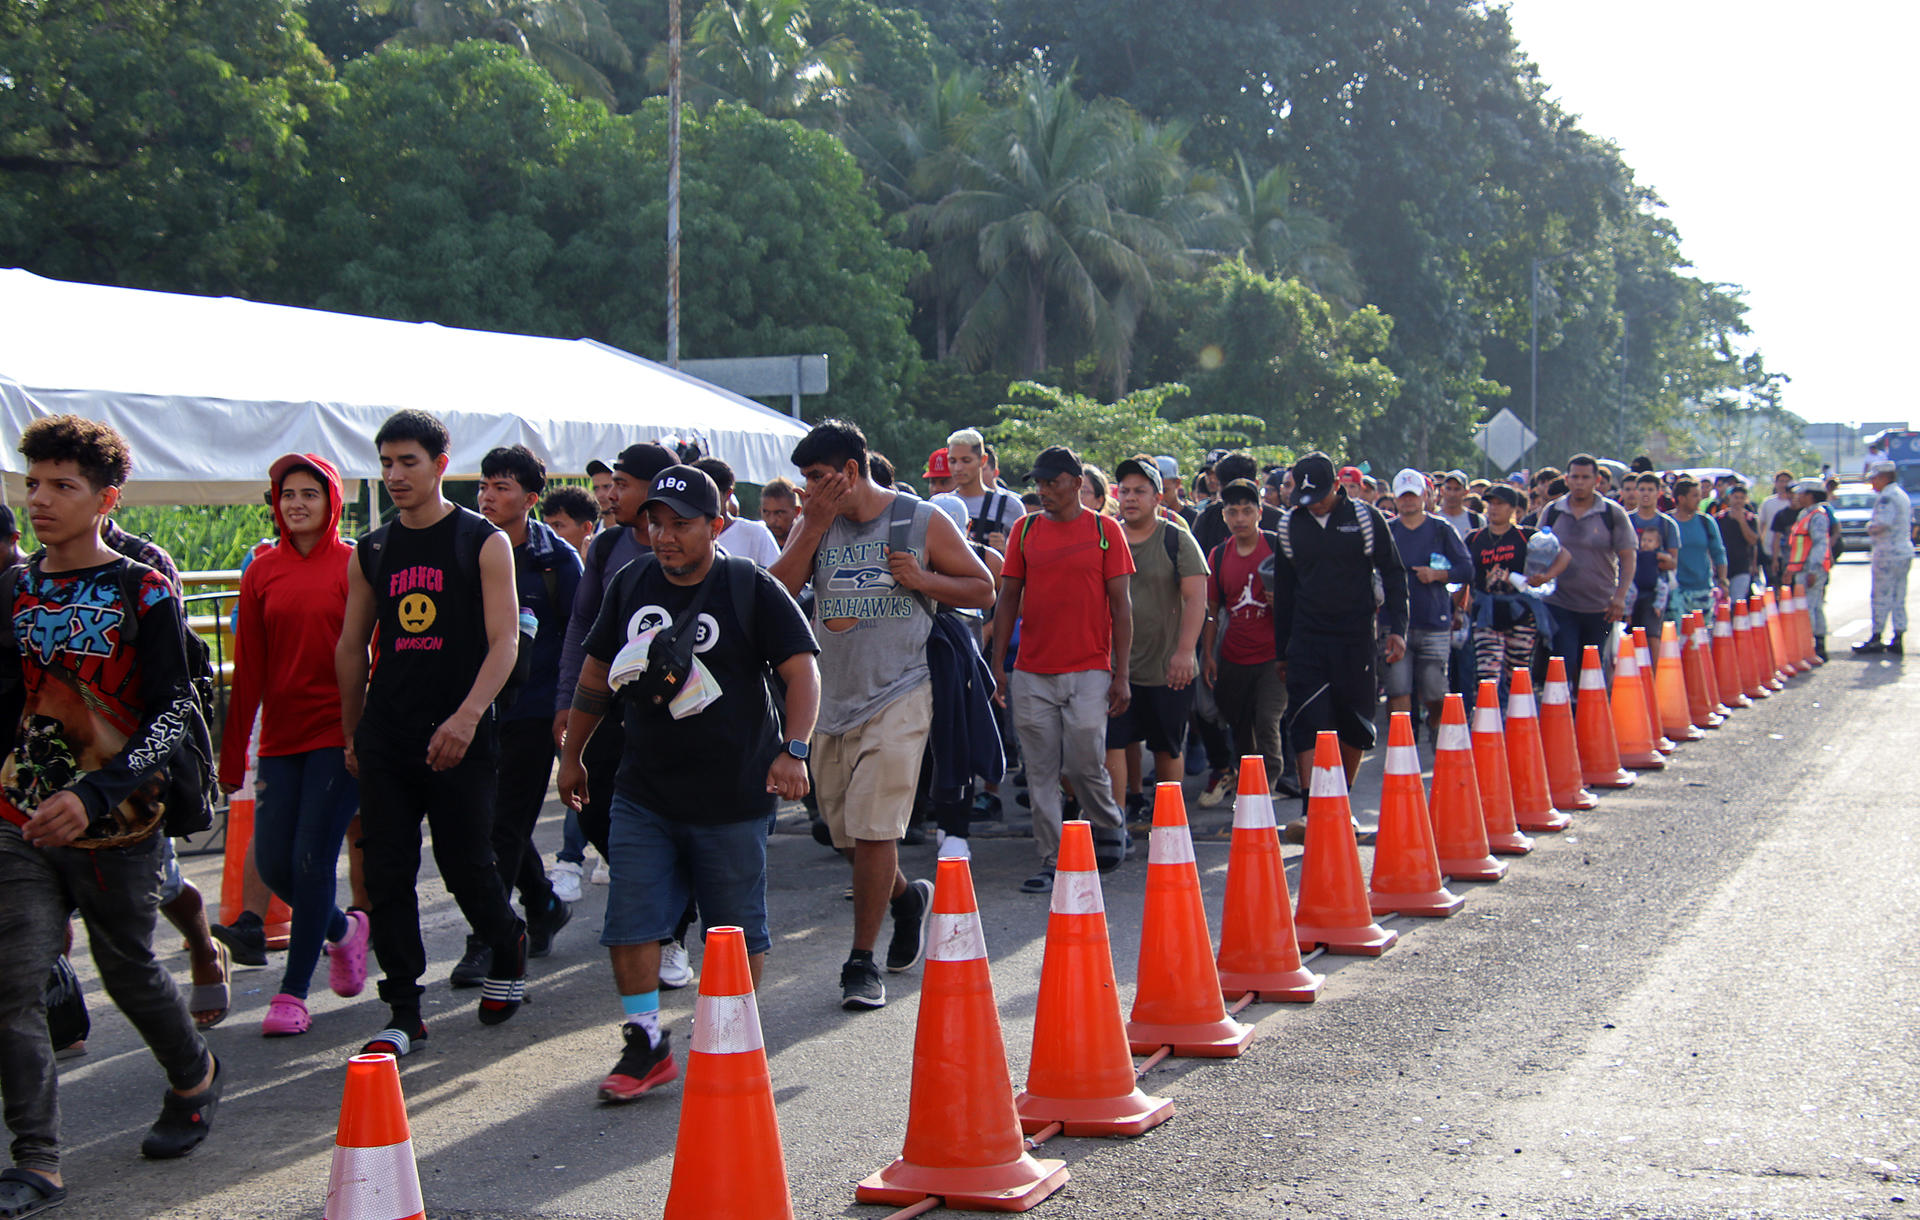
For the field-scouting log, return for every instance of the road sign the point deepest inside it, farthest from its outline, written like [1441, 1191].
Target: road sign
[1504, 439]
[764, 376]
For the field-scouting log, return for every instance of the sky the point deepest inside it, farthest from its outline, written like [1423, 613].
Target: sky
[1781, 138]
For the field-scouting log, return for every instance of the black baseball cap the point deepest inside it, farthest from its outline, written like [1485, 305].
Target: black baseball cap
[687, 490]
[1506, 493]
[1148, 470]
[1312, 478]
[1240, 491]
[1054, 461]
[8, 527]
[644, 461]
[596, 466]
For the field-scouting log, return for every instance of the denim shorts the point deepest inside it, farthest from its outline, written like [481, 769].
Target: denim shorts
[171, 879]
[658, 864]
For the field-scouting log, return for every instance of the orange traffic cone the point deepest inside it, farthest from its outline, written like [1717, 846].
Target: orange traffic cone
[1726, 660]
[1632, 735]
[1643, 654]
[1495, 776]
[1176, 996]
[963, 1137]
[727, 1162]
[373, 1175]
[1527, 759]
[1778, 670]
[1081, 1071]
[1703, 644]
[1747, 648]
[1788, 603]
[1564, 782]
[1332, 910]
[1670, 688]
[1406, 869]
[1258, 950]
[1459, 828]
[1803, 633]
[1693, 668]
[1593, 720]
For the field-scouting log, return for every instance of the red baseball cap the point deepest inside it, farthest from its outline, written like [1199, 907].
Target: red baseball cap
[937, 466]
[1351, 474]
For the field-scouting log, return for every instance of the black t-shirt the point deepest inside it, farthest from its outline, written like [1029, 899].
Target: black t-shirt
[433, 624]
[711, 767]
[1739, 550]
[1507, 550]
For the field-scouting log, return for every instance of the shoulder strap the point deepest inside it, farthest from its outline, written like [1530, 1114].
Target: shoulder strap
[1173, 547]
[740, 577]
[1026, 527]
[132, 572]
[1285, 534]
[372, 552]
[470, 533]
[1365, 515]
[901, 514]
[1549, 513]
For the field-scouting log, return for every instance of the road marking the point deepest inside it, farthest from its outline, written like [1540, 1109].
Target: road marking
[1857, 626]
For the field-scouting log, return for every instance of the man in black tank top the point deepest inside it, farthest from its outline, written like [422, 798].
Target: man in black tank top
[438, 585]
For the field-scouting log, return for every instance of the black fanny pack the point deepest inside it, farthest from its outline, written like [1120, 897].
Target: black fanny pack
[670, 655]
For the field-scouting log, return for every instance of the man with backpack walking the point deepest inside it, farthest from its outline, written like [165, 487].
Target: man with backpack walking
[94, 782]
[438, 583]
[881, 564]
[1590, 595]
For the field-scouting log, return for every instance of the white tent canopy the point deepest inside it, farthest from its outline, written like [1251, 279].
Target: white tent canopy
[209, 390]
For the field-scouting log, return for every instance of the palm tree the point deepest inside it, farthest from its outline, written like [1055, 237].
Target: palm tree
[1059, 200]
[1291, 242]
[757, 52]
[571, 39]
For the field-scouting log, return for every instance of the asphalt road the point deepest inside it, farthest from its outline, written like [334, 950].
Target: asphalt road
[1697, 1002]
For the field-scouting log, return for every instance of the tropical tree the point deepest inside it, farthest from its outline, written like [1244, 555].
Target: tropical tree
[1289, 241]
[1107, 433]
[759, 53]
[572, 39]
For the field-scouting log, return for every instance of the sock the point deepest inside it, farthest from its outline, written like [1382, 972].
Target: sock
[644, 1010]
[860, 955]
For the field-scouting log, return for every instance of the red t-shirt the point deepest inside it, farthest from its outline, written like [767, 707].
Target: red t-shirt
[1065, 626]
[1244, 599]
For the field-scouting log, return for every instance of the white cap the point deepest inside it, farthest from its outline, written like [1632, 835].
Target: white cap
[1883, 468]
[1409, 480]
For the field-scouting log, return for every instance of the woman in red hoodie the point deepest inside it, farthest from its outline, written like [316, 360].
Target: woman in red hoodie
[293, 599]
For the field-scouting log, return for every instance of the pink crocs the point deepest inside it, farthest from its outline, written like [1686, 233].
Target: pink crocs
[347, 960]
[286, 1016]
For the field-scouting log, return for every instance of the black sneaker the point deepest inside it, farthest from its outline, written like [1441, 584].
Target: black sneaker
[541, 928]
[471, 969]
[245, 939]
[1869, 648]
[909, 943]
[183, 1121]
[1894, 645]
[643, 1067]
[1137, 810]
[860, 985]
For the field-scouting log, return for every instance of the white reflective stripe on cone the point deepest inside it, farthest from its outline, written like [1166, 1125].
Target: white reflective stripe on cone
[374, 1184]
[726, 1025]
[1740, 623]
[1486, 720]
[1253, 811]
[1520, 707]
[1077, 894]
[1592, 679]
[1453, 737]
[1722, 629]
[1169, 845]
[955, 937]
[1556, 694]
[1328, 781]
[1403, 760]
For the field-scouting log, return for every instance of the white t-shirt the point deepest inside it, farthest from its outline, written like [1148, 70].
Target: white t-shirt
[751, 540]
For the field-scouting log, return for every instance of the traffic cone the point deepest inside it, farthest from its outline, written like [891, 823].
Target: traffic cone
[1726, 660]
[1176, 995]
[1406, 869]
[1459, 828]
[1792, 659]
[373, 1175]
[1494, 776]
[1258, 950]
[1593, 722]
[1564, 782]
[278, 916]
[1527, 759]
[1670, 688]
[1643, 655]
[1631, 733]
[1332, 910]
[1747, 648]
[1703, 708]
[1803, 632]
[1777, 669]
[727, 1162]
[1703, 644]
[1081, 1072]
[963, 1136]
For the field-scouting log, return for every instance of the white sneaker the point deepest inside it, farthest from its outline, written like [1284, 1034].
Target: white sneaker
[564, 876]
[675, 970]
[601, 873]
[953, 847]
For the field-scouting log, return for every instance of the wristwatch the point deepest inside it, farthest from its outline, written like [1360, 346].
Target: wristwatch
[797, 749]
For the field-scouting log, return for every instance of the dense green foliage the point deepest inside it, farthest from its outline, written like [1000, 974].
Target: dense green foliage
[1332, 221]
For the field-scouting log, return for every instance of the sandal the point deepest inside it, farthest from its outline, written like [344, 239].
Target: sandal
[183, 1121]
[394, 1041]
[25, 1193]
[209, 1002]
[347, 960]
[286, 1016]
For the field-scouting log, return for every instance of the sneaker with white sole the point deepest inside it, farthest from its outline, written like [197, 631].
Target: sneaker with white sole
[564, 876]
[861, 986]
[601, 873]
[953, 847]
[910, 911]
[675, 970]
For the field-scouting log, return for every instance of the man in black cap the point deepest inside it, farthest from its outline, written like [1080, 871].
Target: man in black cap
[689, 637]
[1337, 568]
[1076, 639]
[601, 476]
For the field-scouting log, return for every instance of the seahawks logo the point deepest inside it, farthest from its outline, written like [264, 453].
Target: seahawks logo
[860, 580]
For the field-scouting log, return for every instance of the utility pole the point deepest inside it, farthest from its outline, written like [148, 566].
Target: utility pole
[673, 184]
[1533, 347]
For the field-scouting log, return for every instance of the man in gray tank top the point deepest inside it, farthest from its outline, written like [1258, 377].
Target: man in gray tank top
[878, 562]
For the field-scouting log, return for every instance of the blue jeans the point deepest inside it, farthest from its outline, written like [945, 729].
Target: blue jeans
[304, 804]
[659, 863]
[573, 841]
